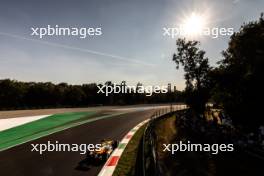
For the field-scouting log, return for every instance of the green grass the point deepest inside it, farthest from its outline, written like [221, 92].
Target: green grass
[39, 128]
[127, 162]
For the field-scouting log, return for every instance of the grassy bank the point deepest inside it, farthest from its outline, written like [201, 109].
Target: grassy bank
[183, 127]
[127, 163]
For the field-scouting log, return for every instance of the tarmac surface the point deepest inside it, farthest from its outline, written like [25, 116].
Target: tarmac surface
[21, 161]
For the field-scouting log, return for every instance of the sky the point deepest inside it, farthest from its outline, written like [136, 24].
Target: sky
[132, 46]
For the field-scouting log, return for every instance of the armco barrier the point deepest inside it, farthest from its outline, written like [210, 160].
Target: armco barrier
[110, 165]
[149, 143]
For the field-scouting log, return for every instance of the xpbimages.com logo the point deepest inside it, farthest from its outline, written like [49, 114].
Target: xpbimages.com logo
[56, 30]
[181, 31]
[125, 89]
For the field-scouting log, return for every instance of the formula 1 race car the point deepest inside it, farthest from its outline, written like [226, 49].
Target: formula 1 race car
[98, 156]
[106, 149]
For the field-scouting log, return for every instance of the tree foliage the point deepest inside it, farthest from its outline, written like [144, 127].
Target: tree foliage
[238, 79]
[196, 68]
[28, 95]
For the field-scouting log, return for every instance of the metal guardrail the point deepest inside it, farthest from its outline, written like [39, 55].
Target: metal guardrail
[149, 160]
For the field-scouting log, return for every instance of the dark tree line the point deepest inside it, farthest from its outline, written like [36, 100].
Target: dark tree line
[236, 84]
[238, 81]
[27, 95]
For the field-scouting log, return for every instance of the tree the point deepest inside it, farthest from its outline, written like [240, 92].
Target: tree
[196, 68]
[11, 94]
[239, 77]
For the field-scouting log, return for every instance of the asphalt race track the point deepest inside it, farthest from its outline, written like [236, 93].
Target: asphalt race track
[20, 161]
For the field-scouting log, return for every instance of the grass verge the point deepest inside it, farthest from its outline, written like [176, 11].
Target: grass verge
[127, 163]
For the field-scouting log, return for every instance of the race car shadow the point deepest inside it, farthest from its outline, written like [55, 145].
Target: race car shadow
[87, 163]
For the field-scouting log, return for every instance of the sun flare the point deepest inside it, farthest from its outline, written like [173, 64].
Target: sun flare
[193, 24]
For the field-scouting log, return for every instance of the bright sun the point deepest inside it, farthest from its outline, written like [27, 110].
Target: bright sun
[193, 24]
